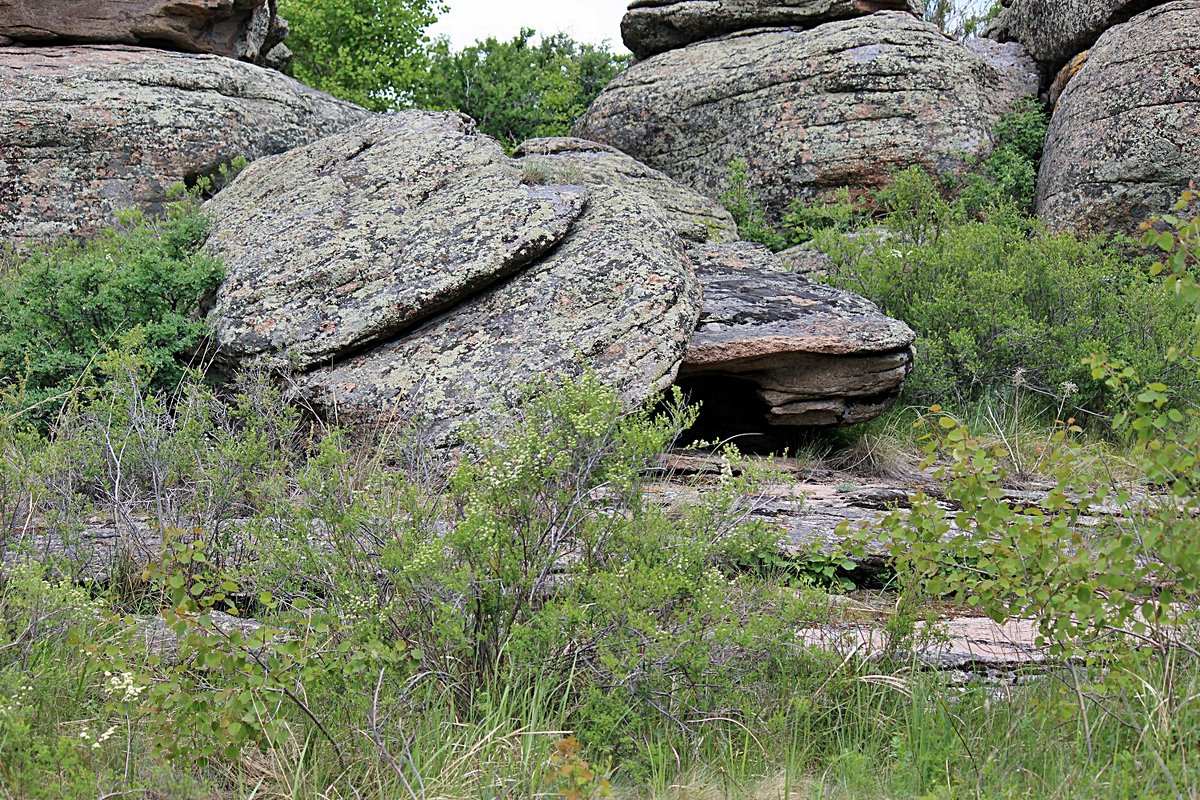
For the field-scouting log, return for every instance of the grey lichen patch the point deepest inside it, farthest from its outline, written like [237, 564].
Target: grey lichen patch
[336, 246]
[693, 215]
[617, 296]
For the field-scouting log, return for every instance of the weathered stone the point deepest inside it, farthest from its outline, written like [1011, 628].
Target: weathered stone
[1055, 31]
[1125, 138]
[1064, 77]
[817, 355]
[656, 26]
[346, 242]
[844, 104]
[618, 295]
[806, 260]
[243, 29]
[565, 160]
[87, 130]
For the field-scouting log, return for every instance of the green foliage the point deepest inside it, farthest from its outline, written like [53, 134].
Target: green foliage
[370, 52]
[1134, 573]
[519, 89]
[1000, 300]
[62, 305]
[741, 200]
[807, 217]
[1008, 175]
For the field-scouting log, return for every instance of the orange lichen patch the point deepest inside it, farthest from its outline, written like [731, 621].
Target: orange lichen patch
[1064, 77]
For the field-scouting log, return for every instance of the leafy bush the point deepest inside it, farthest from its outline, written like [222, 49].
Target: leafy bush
[1000, 299]
[518, 90]
[63, 305]
[1008, 174]
[371, 52]
[1134, 571]
[744, 204]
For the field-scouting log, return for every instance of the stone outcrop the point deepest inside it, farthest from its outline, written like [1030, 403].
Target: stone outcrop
[341, 244]
[656, 26]
[88, 130]
[813, 354]
[1125, 138]
[617, 295]
[409, 270]
[566, 160]
[248, 30]
[1055, 31]
[843, 104]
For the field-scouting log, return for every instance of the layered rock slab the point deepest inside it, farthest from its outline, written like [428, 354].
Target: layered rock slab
[1055, 31]
[843, 104]
[248, 30]
[617, 296]
[655, 26]
[88, 130]
[1124, 140]
[338, 245]
[563, 159]
[817, 355]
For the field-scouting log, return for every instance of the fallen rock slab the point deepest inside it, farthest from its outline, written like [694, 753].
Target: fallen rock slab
[1055, 31]
[1124, 140]
[656, 26]
[566, 160]
[818, 355]
[617, 296]
[248, 30]
[85, 131]
[336, 246]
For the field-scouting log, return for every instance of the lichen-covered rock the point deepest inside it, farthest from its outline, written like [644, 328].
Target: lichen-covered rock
[248, 30]
[1055, 31]
[817, 355]
[618, 295]
[843, 104]
[656, 26]
[1125, 138]
[566, 160]
[88, 130]
[347, 241]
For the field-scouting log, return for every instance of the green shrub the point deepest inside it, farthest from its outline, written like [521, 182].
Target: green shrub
[745, 205]
[1000, 299]
[1133, 570]
[63, 305]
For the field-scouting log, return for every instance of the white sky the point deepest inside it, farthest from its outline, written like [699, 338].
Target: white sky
[585, 20]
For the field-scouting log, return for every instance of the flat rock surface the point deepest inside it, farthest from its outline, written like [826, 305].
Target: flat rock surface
[244, 29]
[338, 245]
[568, 160]
[655, 26]
[85, 131]
[1124, 140]
[818, 355]
[1055, 31]
[843, 104]
[617, 295]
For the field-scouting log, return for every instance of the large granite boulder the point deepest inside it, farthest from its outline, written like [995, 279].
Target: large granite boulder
[88, 130]
[566, 160]
[1055, 31]
[656, 26]
[617, 296]
[813, 354]
[843, 104]
[1125, 138]
[248, 30]
[343, 243]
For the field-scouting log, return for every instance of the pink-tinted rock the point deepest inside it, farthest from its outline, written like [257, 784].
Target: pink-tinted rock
[85, 131]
